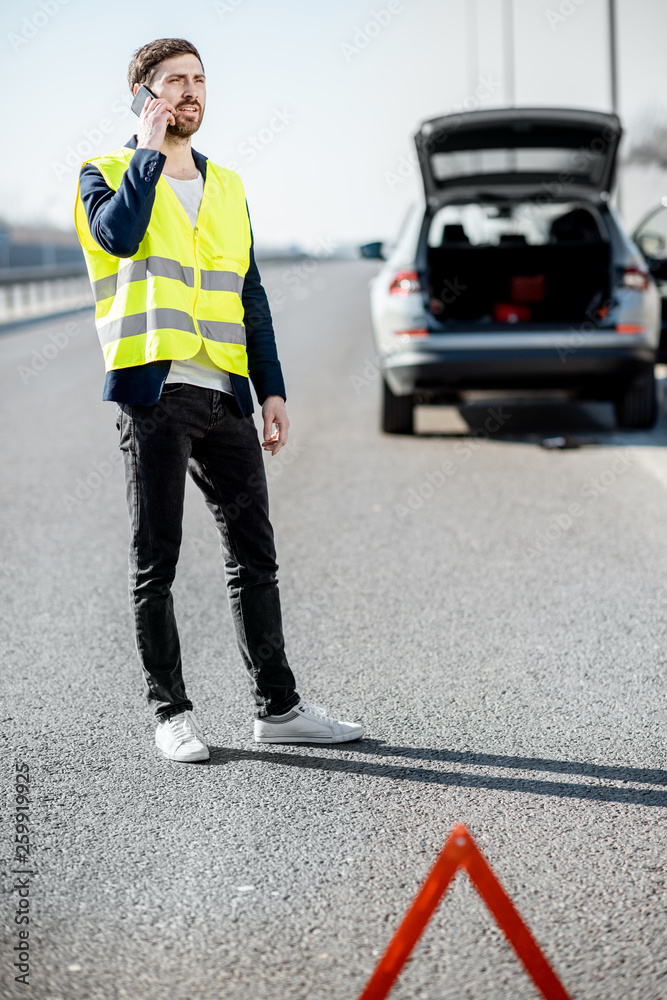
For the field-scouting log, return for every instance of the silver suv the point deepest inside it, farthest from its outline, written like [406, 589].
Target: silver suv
[515, 272]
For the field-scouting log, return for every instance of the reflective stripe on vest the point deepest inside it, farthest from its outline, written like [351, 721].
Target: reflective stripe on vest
[214, 281]
[183, 286]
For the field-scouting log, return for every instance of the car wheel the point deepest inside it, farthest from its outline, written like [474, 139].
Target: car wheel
[397, 412]
[636, 406]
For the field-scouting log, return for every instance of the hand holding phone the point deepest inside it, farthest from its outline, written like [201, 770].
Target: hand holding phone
[155, 113]
[140, 99]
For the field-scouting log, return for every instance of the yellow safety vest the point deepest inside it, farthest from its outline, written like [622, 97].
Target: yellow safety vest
[183, 286]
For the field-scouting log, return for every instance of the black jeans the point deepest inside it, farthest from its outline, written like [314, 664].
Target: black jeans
[201, 431]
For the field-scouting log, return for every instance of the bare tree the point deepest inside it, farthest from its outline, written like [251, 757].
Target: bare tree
[647, 140]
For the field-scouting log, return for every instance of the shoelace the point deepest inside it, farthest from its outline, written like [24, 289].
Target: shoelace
[316, 712]
[181, 729]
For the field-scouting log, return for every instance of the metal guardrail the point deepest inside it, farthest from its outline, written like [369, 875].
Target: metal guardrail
[41, 272]
[28, 293]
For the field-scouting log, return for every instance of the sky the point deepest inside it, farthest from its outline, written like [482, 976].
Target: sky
[315, 104]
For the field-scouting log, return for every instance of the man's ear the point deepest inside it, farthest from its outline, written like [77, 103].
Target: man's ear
[135, 89]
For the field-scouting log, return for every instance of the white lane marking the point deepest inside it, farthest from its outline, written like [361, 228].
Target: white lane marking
[654, 460]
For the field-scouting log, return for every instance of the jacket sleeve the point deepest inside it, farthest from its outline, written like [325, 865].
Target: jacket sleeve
[263, 365]
[118, 220]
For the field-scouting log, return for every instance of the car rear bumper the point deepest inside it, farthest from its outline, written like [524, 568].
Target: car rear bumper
[427, 369]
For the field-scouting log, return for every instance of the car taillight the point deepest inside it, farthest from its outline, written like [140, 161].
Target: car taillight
[404, 283]
[634, 278]
[419, 332]
[630, 328]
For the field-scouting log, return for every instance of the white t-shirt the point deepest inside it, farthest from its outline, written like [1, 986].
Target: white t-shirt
[199, 370]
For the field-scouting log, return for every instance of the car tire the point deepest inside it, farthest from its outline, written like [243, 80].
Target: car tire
[637, 406]
[397, 412]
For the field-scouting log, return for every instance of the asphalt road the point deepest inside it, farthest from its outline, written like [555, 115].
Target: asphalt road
[505, 654]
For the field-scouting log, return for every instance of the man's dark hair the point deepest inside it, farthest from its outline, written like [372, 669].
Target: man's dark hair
[146, 60]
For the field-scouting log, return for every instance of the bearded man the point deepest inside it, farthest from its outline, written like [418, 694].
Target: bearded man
[185, 325]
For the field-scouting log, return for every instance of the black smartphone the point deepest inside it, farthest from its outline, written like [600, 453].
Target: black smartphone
[140, 99]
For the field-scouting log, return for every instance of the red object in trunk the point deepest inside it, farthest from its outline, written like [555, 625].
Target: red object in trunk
[508, 312]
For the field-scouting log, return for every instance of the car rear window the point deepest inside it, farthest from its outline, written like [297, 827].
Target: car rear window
[506, 224]
[587, 164]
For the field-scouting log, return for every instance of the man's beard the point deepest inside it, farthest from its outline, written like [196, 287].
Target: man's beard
[187, 127]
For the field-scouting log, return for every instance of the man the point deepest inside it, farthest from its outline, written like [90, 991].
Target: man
[184, 322]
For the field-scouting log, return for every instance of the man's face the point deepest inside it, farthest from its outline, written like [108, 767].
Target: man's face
[181, 81]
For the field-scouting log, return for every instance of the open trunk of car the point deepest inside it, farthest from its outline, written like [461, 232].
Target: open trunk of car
[515, 283]
[518, 264]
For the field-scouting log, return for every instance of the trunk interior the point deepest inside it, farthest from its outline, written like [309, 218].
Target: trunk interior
[565, 280]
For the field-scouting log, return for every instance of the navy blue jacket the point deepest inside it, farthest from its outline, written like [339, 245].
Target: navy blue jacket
[118, 221]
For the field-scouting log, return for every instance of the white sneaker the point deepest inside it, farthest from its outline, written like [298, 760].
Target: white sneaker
[180, 738]
[305, 723]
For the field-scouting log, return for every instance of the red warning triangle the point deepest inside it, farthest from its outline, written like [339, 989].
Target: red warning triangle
[461, 851]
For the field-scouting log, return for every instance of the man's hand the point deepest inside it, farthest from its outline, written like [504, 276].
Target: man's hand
[274, 414]
[155, 116]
